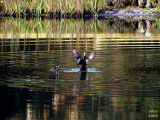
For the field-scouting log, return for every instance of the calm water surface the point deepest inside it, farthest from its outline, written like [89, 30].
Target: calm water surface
[122, 82]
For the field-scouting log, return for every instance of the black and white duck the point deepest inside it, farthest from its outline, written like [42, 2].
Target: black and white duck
[83, 61]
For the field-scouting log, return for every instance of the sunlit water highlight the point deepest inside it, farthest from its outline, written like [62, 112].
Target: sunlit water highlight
[78, 70]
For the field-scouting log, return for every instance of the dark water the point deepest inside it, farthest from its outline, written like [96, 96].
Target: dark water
[122, 82]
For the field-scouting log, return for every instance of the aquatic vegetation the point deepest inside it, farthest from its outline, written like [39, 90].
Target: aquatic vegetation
[63, 8]
[38, 7]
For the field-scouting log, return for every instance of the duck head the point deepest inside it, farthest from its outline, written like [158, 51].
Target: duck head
[56, 68]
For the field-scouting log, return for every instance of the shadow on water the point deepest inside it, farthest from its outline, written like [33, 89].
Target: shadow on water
[122, 81]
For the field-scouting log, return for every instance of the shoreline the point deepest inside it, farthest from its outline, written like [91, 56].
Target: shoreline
[134, 13]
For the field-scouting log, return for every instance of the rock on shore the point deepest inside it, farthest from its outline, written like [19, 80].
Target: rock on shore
[136, 13]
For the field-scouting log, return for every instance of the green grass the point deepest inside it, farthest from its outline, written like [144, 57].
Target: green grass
[61, 6]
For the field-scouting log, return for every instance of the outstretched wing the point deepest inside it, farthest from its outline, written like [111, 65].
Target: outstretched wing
[76, 54]
[90, 56]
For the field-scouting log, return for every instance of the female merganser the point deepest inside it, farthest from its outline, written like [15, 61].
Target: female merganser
[57, 68]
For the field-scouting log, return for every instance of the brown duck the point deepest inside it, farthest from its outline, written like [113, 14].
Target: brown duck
[57, 68]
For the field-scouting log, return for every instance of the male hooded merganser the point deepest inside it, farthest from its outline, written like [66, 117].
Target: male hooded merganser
[57, 68]
[83, 62]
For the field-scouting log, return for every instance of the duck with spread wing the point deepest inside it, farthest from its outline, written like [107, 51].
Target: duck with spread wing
[83, 61]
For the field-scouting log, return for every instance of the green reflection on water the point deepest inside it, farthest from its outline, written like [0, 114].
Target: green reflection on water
[39, 34]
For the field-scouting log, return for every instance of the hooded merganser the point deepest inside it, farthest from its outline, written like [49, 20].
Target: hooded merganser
[83, 62]
[57, 68]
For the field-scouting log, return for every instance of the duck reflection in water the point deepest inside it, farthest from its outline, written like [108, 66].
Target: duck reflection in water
[83, 75]
[83, 62]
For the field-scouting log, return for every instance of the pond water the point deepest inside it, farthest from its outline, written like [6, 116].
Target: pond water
[122, 81]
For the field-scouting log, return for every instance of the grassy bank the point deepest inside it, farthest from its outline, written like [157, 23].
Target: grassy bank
[61, 8]
[52, 7]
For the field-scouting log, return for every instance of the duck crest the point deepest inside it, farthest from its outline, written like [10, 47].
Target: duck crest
[83, 61]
